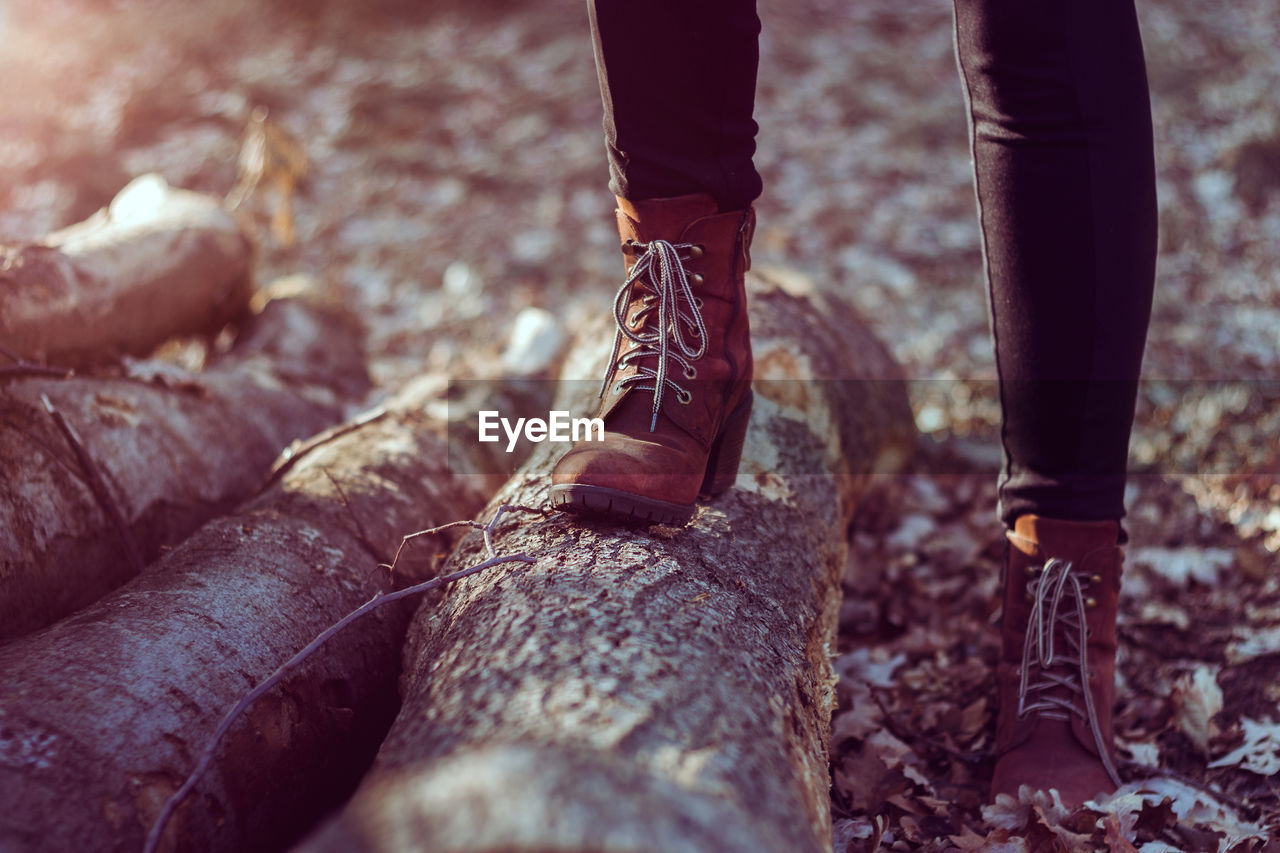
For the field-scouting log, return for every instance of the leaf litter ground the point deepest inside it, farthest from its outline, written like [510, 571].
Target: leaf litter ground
[457, 177]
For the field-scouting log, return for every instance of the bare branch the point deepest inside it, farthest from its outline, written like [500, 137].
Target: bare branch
[97, 484]
[23, 370]
[294, 454]
[362, 535]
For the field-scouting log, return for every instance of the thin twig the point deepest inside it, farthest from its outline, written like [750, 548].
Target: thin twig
[210, 751]
[391, 567]
[293, 455]
[362, 535]
[22, 370]
[485, 529]
[97, 484]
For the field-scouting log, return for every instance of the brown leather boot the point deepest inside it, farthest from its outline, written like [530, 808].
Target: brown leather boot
[677, 396]
[1057, 670]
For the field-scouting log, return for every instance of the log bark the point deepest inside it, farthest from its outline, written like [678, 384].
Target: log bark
[103, 715]
[172, 451]
[156, 263]
[651, 689]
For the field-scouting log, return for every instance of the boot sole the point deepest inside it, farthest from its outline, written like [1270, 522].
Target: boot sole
[721, 472]
[599, 500]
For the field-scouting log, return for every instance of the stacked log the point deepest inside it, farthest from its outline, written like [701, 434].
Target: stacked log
[103, 715]
[156, 263]
[98, 474]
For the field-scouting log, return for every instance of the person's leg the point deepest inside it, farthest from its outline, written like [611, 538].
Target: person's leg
[1065, 178]
[678, 83]
[1065, 175]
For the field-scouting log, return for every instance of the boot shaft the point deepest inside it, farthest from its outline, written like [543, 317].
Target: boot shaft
[715, 254]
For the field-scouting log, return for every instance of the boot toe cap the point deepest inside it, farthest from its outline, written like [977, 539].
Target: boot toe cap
[1052, 758]
[637, 467]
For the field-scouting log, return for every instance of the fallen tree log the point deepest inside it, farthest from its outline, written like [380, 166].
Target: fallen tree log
[97, 475]
[651, 689]
[102, 715]
[155, 264]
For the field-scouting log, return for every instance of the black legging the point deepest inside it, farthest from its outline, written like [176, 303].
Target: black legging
[1060, 124]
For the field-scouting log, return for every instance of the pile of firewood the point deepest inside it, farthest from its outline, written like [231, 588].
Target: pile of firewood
[166, 549]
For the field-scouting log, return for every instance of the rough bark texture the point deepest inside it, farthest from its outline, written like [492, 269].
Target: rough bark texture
[156, 263]
[172, 451]
[651, 689]
[104, 714]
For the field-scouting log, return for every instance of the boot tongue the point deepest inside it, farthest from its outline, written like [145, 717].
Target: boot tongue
[663, 218]
[1066, 540]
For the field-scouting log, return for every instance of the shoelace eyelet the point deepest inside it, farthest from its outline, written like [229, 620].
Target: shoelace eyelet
[691, 372]
[697, 250]
[684, 398]
[696, 278]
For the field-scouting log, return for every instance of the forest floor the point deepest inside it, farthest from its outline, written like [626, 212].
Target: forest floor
[457, 177]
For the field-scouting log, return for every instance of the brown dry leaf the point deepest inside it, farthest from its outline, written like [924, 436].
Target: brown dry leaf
[1116, 842]
[866, 782]
[1014, 813]
[1198, 699]
[908, 804]
[1260, 752]
[1051, 832]
[861, 719]
[968, 840]
[974, 717]
[1195, 810]
[1154, 819]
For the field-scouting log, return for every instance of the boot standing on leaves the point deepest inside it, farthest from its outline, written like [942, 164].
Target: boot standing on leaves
[1060, 125]
[1061, 137]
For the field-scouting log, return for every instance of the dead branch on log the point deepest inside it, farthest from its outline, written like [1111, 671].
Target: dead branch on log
[379, 599]
[21, 368]
[298, 450]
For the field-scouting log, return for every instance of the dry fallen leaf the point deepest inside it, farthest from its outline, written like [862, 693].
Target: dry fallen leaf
[1260, 752]
[1198, 699]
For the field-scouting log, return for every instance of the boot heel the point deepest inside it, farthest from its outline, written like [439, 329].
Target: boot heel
[726, 451]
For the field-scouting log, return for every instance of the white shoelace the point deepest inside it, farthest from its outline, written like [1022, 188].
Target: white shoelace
[659, 270]
[1059, 668]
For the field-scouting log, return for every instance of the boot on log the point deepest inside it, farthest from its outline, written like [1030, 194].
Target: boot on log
[156, 263]
[150, 461]
[642, 689]
[103, 715]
